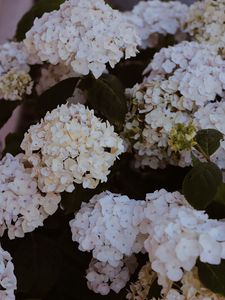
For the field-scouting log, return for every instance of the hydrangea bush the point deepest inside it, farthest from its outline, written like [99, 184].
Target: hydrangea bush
[112, 185]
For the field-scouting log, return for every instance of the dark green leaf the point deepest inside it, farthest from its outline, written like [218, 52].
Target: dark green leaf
[209, 140]
[213, 276]
[36, 11]
[201, 183]
[220, 194]
[56, 95]
[12, 143]
[38, 263]
[6, 110]
[106, 96]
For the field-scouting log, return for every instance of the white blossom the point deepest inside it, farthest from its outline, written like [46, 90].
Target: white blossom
[156, 17]
[178, 235]
[108, 226]
[7, 277]
[23, 208]
[102, 277]
[13, 56]
[206, 22]
[71, 145]
[85, 34]
[194, 70]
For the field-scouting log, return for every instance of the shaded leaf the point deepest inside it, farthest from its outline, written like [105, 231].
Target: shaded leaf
[56, 95]
[201, 183]
[6, 110]
[36, 11]
[209, 140]
[12, 143]
[213, 276]
[106, 96]
[220, 194]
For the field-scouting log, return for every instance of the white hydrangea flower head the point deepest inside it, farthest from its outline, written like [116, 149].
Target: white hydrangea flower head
[102, 277]
[206, 22]
[178, 235]
[7, 277]
[14, 84]
[154, 110]
[23, 208]
[108, 226]
[194, 70]
[85, 34]
[53, 74]
[13, 56]
[156, 17]
[71, 145]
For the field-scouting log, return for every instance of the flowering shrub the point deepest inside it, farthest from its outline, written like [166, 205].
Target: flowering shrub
[113, 182]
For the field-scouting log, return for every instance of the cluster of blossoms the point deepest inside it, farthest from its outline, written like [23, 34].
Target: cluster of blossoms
[108, 225]
[156, 17]
[173, 234]
[15, 80]
[206, 23]
[184, 78]
[86, 34]
[23, 208]
[178, 235]
[7, 277]
[102, 277]
[71, 145]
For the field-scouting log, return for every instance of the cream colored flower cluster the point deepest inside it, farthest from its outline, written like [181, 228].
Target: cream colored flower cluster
[156, 17]
[15, 80]
[206, 22]
[86, 34]
[23, 208]
[7, 277]
[71, 145]
[14, 84]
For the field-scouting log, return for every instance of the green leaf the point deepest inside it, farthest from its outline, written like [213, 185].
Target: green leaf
[220, 194]
[201, 183]
[56, 95]
[36, 11]
[106, 96]
[12, 143]
[209, 140]
[213, 276]
[6, 110]
[38, 262]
